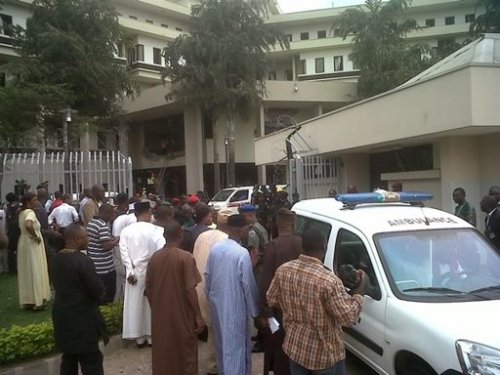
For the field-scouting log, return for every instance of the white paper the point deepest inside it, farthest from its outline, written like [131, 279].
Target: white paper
[273, 324]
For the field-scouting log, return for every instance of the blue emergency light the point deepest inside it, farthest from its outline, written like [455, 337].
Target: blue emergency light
[383, 196]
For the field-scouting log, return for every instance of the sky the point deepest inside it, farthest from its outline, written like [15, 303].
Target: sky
[288, 6]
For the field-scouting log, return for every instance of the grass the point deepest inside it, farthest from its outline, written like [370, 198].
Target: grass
[10, 312]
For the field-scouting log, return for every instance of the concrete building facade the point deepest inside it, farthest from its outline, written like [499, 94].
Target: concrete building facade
[172, 146]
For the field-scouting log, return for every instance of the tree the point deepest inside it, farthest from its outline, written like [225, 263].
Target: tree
[381, 51]
[489, 21]
[220, 67]
[66, 58]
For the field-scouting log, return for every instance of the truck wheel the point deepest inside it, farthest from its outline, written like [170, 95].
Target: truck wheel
[414, 366]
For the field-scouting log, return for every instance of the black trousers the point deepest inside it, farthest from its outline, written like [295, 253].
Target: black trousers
[90, 363]
[109, 281]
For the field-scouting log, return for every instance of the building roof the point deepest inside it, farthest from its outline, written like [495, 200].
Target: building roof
[482, 51]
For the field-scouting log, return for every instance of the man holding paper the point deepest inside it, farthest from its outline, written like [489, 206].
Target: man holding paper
[315, 306]
[284, 248]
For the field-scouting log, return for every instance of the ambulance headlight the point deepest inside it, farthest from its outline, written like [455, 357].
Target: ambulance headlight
[477, 359]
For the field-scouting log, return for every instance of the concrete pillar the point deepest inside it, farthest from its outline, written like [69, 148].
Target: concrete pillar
[261, 175]
[123, 147]
[262, 122]
[460, 167]
[193, 140]
[355, 171]
[85, 139]
[319, 110]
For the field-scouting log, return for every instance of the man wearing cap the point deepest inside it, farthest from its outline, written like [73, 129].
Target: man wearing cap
[232, 294]
[138, 242]
[201, 251]
[202, 219]
[255, 242]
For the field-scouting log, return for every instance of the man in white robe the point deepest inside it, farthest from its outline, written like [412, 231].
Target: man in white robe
[138, 242]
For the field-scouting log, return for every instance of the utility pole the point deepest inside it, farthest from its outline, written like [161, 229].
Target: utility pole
[67, 177]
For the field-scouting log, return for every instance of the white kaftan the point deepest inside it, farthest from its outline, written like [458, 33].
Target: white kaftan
[138, 242]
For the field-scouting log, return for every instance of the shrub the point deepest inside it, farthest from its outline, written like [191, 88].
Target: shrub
[36, 340]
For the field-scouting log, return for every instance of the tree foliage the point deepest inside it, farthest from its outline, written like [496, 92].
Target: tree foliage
[381, 51]
[489, 21]
[66, 58]
[220, 66]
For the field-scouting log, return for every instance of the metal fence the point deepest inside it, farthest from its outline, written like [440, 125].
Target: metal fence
[110, 168]
[315, 175]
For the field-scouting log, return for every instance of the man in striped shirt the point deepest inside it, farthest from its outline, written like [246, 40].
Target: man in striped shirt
[100, 250]
[315, 306]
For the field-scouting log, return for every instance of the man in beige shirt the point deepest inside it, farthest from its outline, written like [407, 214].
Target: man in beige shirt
[201, 251]
[91, 207]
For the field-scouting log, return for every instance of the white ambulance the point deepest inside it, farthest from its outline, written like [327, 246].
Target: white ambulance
[434, 305]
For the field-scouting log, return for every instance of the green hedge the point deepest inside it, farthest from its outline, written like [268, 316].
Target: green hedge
[36, 340]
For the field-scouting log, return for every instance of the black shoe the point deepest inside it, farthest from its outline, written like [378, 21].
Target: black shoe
[257, 348]
[141, 346]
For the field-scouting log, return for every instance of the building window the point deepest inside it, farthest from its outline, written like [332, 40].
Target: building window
[321, 34]
[304, 36]
[178, 29]
[132, 17]
[289, 75]
[289, 37]
[320, 65]
[336, 33]
[449, 20]
[149, 21]
[5, 24]
[470, 18]
[101, 141]
[271, 76]
[338, 63]
[302, 67]
[164, 25]
[355, 66]
[136, 53]
[430, 22]
[2, 79]
[157, 56]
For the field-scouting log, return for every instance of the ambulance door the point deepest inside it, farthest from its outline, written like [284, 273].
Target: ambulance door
[366, 337]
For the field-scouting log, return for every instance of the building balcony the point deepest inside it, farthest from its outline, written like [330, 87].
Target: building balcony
[437, 32]
[145, 73]
[174, 10]
[143, 28]
[289, 92]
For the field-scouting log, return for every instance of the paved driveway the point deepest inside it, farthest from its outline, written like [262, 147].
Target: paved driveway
[133, 361]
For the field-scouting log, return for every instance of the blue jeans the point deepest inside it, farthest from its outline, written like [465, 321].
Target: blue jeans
[337, 369]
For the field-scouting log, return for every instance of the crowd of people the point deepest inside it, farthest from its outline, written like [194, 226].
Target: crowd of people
[186, 274]
[183, 272]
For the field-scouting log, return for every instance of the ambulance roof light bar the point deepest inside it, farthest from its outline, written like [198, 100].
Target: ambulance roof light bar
[383, 196]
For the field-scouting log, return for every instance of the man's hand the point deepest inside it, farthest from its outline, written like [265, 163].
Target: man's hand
[261, 323]
[200, 325]
[132, 280]
[254, 255]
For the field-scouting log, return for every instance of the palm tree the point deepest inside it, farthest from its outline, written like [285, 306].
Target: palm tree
[489, 21]
[381, 51]
[220, 66]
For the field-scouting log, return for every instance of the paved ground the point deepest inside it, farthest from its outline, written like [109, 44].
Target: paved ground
[133, 361]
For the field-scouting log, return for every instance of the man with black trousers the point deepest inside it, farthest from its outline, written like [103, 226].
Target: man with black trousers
[78, 323]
